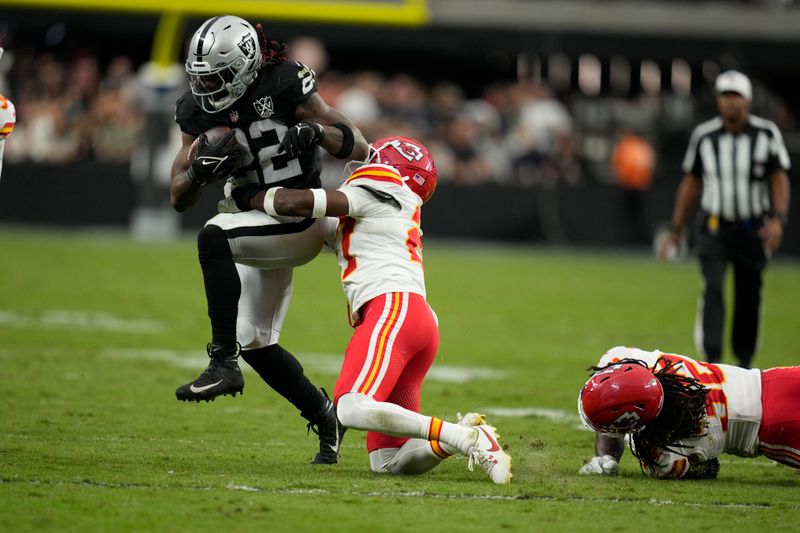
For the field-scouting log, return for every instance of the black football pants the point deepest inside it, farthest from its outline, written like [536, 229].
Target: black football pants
[737, 244]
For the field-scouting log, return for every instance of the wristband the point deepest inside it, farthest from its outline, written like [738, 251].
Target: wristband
[320, 203]
[190, 177]
[348, 140]
[780, 217]
[269, 201]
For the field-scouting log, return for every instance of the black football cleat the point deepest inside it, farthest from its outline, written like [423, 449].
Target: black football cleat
[330, 432]
[223, 376]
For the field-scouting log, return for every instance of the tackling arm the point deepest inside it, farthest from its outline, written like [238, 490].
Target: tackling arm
[316, 109]
[300, 202]
[612, 445]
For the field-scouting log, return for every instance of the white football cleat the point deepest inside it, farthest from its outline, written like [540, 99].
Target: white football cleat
[471, 419]
[490, 456]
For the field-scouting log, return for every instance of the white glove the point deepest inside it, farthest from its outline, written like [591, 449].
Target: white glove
[605, 465]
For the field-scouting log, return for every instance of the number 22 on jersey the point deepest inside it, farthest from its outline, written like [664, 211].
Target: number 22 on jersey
[263, 159]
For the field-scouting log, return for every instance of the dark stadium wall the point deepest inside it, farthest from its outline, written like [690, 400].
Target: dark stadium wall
[97, 195]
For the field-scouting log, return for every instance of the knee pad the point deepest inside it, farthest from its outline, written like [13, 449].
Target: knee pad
[349, 409]
[379, 459]
[212, 244]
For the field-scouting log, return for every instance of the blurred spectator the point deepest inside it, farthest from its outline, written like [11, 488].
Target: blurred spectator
[542, 131]
[632, 163]
[516, 133]
[116, 122]
[68, 112]
[311, 52]
[359, 101]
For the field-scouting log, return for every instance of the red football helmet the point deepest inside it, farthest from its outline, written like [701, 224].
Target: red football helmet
[621, 399]
[411, 159]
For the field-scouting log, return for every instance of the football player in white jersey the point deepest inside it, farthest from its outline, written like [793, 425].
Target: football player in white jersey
[377, 238]
[277, 124]
[682, 414]
[8, 117]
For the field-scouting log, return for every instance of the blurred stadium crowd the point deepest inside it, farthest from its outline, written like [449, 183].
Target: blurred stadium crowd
[525, 132]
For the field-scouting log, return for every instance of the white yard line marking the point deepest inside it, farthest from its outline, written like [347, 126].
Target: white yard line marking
[323, 363]
[398, 494]
[554, 415]
[86, 320]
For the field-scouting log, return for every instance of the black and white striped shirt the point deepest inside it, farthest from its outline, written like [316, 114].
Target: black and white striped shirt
[735, 167]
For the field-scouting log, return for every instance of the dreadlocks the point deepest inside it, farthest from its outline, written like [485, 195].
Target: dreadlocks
[683, 415]
[272, 52]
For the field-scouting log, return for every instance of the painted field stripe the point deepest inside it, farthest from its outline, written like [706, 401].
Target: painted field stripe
[401, 494]
[75, 319]
[324, 363]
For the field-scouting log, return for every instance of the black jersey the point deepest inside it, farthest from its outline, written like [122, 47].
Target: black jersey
[735, 167]
[262, 115]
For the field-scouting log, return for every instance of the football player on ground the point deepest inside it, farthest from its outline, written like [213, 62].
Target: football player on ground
[377, 238]
[8, 117]
[682, 414]
[241, 81]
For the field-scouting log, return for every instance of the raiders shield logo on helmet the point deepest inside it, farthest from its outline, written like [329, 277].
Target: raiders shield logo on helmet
[248, 46]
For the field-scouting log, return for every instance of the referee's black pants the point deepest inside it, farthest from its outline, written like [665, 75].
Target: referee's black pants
[719, 244]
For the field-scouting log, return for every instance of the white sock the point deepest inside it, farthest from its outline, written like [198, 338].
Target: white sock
[359, 411]
[455, 438]
[414, 457]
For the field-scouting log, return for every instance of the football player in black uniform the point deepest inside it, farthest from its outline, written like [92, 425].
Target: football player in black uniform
[277, 123]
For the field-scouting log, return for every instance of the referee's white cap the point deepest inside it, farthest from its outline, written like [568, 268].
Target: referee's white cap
[736, 82]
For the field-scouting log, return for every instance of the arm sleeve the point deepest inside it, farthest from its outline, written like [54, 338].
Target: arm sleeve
[330, 225]
[306, 83]
[191, 120]
[364, 203]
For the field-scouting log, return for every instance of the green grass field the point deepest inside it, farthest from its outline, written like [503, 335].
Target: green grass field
[96, 331]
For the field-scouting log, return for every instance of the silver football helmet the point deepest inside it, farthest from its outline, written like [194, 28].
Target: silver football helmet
[224, 58]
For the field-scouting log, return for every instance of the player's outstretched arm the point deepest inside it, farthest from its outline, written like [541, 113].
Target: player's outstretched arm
[311, 203]
[608, 450]
[339, 136]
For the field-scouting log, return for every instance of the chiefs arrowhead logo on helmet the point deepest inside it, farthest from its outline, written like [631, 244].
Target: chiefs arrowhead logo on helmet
[411, 159]
[622, 398]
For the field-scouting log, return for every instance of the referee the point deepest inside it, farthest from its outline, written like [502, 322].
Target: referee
[738, 163]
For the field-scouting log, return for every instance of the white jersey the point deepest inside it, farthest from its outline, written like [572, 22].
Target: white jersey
[733, 408]
[8, 117]
[379, 242]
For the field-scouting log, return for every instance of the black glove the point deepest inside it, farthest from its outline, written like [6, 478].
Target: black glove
[242, 195]
[301, 137]
[214, 161]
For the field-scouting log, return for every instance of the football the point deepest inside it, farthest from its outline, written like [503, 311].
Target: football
[213, 135]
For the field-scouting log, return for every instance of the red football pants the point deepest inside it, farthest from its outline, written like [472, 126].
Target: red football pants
[389, 355]
[779, 436]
